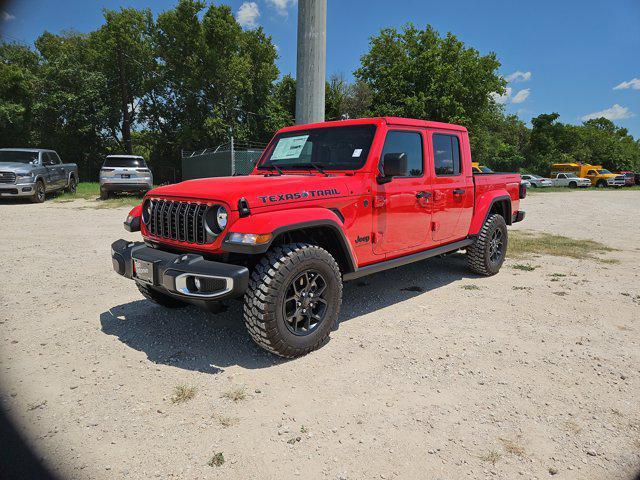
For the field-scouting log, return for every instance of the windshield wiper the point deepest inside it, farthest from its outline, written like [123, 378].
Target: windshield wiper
[275, 167]
[315, 166]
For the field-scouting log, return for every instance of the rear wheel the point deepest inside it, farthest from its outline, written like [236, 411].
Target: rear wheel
[39, 195]
[486, 255]
[159, 298]
[601, 184]
[293, 299]
[104, 194]
[573, 185]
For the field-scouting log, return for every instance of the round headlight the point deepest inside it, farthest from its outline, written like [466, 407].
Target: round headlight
[146, 211]
[216, 219]
[222, 217]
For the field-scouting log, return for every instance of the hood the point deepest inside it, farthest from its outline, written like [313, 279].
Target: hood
[16, 167]
[258, 190]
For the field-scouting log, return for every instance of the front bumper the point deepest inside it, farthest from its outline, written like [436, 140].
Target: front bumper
[17, 189]
[175, 274]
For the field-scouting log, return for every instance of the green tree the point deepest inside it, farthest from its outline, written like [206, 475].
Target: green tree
[420, 74]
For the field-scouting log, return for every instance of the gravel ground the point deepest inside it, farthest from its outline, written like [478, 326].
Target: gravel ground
[432, 373]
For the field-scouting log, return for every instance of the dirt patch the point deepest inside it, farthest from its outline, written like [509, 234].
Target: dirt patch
[422, 378]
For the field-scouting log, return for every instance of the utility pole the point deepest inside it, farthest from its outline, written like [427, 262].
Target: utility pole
[312, 61]
[124, 95]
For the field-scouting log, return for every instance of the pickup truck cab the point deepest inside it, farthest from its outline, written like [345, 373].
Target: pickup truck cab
[326, 203]
[33, 172]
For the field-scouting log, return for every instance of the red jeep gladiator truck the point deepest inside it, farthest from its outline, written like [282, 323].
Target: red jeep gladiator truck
[326, 203]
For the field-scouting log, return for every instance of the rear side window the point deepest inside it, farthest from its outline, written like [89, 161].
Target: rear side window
[409, 143]
[446, 154]
[117, 162]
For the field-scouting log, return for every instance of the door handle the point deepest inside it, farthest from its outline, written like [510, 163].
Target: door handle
[458, 191]
[424, 195]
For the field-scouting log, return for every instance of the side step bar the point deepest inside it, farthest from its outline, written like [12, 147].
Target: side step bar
[414, 257]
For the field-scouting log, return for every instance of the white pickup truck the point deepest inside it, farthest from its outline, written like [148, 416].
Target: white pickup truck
[570, 180]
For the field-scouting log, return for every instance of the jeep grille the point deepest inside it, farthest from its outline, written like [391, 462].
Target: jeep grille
[181, 221]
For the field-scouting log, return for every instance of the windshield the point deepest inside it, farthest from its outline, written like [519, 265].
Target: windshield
[115, 162]
[604, 171]
[18, 156]
[333, 148]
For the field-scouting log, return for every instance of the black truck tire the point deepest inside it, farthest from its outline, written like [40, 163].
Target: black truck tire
[160, 298]
[39, 195]
[486, 255]
[293, 299]
[72, 186]
[104, 194]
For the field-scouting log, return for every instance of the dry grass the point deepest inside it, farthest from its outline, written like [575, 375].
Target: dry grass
[512, 447]
[470, 287]
[227, 421]
[217, 460]
[235, 394]
[183, 393]
[525, 267]
[491, 456]
[522, 243]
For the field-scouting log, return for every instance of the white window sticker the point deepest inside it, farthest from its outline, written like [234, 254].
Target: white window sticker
[357, 152]
[289, 147]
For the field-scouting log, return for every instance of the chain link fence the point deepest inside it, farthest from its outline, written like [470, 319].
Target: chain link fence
[226, 160]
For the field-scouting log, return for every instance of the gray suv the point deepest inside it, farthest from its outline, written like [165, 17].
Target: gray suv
[34, 172]
[124, 173]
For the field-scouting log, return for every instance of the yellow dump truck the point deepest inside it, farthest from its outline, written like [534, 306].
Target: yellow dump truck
[600, 177]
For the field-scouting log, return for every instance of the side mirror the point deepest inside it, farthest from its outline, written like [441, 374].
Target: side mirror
[393, 165]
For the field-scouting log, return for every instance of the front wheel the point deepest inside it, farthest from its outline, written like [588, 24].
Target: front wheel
[40, 193]
[573, 185]
[73, 185]
[601, 184]
[293, 299]
[486, 255]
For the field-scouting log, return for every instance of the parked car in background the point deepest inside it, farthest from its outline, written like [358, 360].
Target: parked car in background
[34, 172]
[629, 178]
[600, 177]
[537, 181]
[124, 173]
[570, 180]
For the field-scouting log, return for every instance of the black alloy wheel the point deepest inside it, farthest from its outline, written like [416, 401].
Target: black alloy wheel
[305, 307]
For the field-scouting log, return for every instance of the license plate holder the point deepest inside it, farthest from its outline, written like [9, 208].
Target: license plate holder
[144, 271]
[125, 175]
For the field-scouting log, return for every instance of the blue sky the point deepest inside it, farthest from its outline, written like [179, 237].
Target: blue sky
[566, 56]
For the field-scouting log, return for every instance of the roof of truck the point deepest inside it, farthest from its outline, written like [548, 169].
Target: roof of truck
[407, 122]
[26, 150]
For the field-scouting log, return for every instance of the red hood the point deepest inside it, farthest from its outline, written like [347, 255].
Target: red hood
[258, 190]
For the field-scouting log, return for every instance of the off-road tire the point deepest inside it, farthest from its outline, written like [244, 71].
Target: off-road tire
[39, 195]
[159, 298]
[73, 185]
[479, 253]
[264, 301]
[104, 194]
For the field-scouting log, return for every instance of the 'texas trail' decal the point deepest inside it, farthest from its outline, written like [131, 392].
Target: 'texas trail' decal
[299, 195]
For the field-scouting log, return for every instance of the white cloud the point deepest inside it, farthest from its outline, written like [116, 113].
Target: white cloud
[248, 15]
[521, 96]
[518, 76]
[282, 6]
[6, 16]
[501, 99]
[634, 83]
[617, 112]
